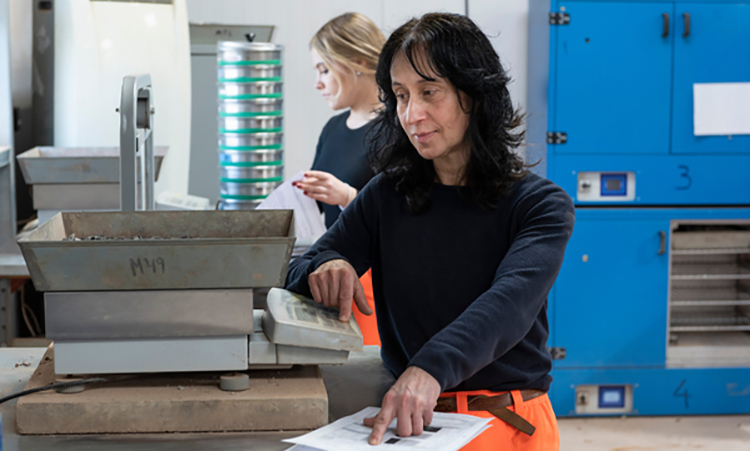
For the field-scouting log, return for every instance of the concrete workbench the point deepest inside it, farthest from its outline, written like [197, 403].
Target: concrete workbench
[361, 382]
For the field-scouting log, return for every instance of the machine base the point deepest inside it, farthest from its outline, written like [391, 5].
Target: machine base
[293, 399]
[655, 391]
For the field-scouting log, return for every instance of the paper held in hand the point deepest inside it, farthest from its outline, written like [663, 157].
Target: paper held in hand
[447, 432]
[308, 222]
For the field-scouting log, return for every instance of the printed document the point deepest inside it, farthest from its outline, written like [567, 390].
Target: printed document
[308, 222]
[447, 432]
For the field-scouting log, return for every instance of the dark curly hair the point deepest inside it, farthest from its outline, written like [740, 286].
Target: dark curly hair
[450, 46]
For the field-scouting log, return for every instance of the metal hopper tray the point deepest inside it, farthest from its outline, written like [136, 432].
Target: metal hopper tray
[46, 165]
[160, 250]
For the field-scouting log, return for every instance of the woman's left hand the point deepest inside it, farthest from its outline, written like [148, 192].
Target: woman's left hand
[326, 188]
[411, 400]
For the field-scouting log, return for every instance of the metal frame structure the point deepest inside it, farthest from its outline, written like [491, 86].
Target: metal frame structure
[136, 143]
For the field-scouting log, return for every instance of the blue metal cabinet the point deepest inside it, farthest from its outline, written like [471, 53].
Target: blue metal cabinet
[712, 45]
[684, 179]
[609, 58]
[659, 391]
[617, 79]
[610, 97]
[608, 310]
[612, 284]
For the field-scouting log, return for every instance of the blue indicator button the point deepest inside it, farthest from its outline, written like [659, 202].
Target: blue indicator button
[614, 184]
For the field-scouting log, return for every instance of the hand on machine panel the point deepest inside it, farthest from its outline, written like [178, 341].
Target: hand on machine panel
[335, 284]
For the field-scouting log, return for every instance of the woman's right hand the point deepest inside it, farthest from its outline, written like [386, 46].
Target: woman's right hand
[326, 188]
[335, 284]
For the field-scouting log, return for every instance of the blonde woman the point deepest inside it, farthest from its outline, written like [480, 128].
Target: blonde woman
[345, 54]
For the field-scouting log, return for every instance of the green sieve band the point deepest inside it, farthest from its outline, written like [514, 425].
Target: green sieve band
[251, 164]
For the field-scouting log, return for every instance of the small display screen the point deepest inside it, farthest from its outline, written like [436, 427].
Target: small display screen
[614, 184]
[612, 397]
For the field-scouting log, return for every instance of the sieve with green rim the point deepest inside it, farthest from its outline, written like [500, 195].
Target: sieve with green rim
[250, 141]
[238, 204]
[250, 107]
[245, 53]
[247, 158]
[245, 74]
[250, 63]
[249, 91]
[250, 122]
[257, 190]
[258, 124]
[245, 198]
[251, 174]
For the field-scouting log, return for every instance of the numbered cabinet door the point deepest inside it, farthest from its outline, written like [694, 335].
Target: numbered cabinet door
[712, 46]
[610, 299]
[612, 80]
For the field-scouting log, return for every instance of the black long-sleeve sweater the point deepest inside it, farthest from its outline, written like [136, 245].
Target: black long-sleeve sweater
[460, 291]
[341, 152]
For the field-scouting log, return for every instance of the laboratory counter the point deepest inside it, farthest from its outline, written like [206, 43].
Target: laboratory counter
[359, 383]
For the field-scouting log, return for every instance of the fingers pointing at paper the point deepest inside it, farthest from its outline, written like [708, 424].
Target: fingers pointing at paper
[325, 187]
[411, 400]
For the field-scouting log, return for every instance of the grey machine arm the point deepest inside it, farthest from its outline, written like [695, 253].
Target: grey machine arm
[136, 143]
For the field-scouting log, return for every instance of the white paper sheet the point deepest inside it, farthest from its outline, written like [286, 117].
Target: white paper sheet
[308, 222]
[448, 432]
[721, 109]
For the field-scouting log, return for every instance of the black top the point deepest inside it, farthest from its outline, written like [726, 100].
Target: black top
[460, 291]
[341, 152]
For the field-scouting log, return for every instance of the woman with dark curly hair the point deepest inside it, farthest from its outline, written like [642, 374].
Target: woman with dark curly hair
[464, 243]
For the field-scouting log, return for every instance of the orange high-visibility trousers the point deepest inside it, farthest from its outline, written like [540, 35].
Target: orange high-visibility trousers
[367, 324]
[501, 435]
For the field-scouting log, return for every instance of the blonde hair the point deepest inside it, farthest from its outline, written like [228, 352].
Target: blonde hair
[348, 39]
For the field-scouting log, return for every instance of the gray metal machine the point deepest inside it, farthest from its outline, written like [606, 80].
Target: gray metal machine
[133, 292]
[136, 292]
[136, 143]
[101, 178]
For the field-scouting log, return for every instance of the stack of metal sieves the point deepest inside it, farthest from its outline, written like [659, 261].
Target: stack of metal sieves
[250, 122]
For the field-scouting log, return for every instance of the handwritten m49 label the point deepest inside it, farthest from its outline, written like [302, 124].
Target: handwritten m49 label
[144, 265]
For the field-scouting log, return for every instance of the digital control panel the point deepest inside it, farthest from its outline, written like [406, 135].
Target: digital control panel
[606, 186]
[612, 397]
[603, 399]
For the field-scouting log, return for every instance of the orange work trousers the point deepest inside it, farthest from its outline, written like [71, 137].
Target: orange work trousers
[501, 435]
[367, 324]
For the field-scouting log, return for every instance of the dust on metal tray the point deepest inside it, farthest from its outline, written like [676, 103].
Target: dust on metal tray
[160, 250]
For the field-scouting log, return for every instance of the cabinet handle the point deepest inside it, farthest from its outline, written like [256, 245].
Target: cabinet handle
[665, 16]
[663, 242]
[686, 17]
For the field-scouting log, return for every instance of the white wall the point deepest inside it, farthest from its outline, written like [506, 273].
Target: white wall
[6, 109]
[96, 45]
[20, 52]
[506, 24]
[296, 21]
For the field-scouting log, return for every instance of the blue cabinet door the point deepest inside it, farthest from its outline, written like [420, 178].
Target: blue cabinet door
[612, 78]
[609, 304]
[716, 49]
